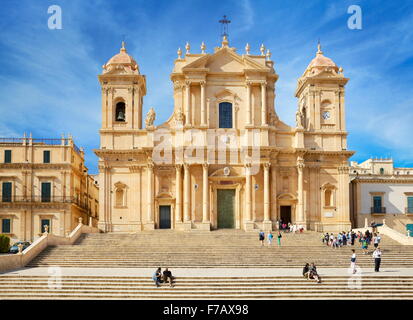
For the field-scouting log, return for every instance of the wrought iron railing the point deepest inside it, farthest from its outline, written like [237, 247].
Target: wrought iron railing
[45, 199]
[378, 210]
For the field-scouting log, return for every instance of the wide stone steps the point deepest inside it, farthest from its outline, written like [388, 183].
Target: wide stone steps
[222, 248]
[103, 287]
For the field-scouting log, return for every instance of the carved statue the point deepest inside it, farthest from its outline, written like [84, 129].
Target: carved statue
[179, 117]
[150, 118]
[299, 119]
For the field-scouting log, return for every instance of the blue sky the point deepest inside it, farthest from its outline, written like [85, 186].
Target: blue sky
[49, 80]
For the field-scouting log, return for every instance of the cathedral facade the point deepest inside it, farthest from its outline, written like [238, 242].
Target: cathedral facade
[223, 159]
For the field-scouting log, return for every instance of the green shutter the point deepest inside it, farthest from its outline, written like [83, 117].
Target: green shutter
[377, 202]
[410, 204]
[7, 156]
[5, 226]
[46, 191]
[6, 192]
[46, 156]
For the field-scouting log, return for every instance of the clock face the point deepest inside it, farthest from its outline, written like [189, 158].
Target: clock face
[326, 115]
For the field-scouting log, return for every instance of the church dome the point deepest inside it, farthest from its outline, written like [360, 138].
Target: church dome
[320, 63]
[122, 61]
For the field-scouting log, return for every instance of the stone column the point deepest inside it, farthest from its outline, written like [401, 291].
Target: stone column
[300, 205]
[149, 225]
[264, 103]
[178, 185]
[267, 221]
[203, 111]
[248, 120]
[249, 225]
[187, 197]
[187, 103]
[205, 198]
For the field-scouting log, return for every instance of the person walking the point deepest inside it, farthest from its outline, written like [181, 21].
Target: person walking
[279, 238]
[365, 245]
[353, 262]
[377, 259]
[376, 240]
[270, 237]
[353, 237]
[262, 237]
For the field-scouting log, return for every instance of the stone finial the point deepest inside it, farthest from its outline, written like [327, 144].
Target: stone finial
[203, 47]
[123, 49]
[268, 55]
[225, 41]
[187, 47]
[340, 70]
[247, 49]
[262, 49]
[179, 52]
[20, 248]
[80, 220]
[319, 48]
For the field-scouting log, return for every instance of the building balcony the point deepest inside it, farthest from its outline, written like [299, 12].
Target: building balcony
[21, 200]
[378, 210]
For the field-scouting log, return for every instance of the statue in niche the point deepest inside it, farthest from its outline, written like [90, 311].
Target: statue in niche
[299, 119]
[179, 117]
[150, 118]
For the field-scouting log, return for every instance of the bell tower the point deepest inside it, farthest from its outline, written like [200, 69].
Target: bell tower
[123, 89]
[321, 111]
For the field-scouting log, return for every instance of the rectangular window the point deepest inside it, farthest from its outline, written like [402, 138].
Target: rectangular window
[377, 204]
[409, 204]
[6, 192]
[46, 191]
[46, 156]
[225, 115]
[5, 226]
[7, 156]
[43, 223]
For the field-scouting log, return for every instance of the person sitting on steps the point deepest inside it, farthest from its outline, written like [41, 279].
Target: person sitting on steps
[167, 275]
[312, 273]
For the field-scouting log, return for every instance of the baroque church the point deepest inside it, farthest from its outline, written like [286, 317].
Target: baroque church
[223, 159]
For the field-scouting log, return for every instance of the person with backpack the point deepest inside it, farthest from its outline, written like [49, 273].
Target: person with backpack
[262, 237]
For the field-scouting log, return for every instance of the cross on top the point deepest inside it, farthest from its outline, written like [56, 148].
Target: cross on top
[224, 23]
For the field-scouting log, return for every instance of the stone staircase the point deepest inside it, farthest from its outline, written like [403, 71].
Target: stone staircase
[205, 288]
[221, 248]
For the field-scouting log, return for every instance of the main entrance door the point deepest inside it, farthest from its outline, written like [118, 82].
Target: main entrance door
[164, 217]
[226, 201]
[285, 213]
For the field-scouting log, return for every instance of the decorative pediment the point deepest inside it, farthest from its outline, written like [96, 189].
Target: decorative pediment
[164, 195]
[224, 172]
[120, 185]
[287, 196]
[225, 93]
[224, 60]
[328, 186]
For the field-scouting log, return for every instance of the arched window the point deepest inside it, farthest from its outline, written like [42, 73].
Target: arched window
[120, 195]
[381, 170]
[225, 115]
[120, 112]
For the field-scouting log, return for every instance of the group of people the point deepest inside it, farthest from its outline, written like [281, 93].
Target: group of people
[270, 237]
[293, 228]
[163, 277]
[310, 272]
[349, 239]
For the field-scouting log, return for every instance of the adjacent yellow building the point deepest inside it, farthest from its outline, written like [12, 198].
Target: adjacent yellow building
[223, 159]
[44, 182]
